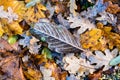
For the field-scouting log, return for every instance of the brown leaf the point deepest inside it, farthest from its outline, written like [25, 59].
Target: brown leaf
[10, 66]
[95, 76]
[113, 8]
[32, 74]
[4, 45]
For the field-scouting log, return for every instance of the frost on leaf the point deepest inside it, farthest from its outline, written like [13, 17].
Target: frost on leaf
[34, 47]
[30, 42]
[83, 23]
[74, 64]
[73, 7]
[97, 8]
[103, 59]
[25, 42]
[107, 17]
[47, 73]
[17, 7]
[8, 14]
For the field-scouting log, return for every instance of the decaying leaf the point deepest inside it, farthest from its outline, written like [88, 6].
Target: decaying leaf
[10, 66]
[33, 14]
[103, 59]
[95, 76]
[74, 64]
[32, 74]
[83, 23]
[113, 8]
[58, 37]
[4, 45]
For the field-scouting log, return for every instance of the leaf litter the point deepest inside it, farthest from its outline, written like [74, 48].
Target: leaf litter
[59, 40]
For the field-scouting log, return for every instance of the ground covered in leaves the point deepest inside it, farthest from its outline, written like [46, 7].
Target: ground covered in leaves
[59, 40]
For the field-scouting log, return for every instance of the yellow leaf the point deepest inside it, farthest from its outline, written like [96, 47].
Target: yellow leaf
[1, 30]
[18, 7]
[93, 39]
[100, 39]
[33, 14]
[32, 74]
[15, 28]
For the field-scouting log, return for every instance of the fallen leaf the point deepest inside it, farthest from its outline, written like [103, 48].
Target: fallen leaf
[47, 73]
[34, 47]
[47, 53]
[57, 73]
[73, 7]
[83, 23]
[32, 74]
[102, 59]
[9, 14]
[4, 45]
[100, 39]
[18, 7]
[97, 8]
[95, 76]
[113, 8]
[74, 64]
[10, 66]
[107, 18]
[33, 14]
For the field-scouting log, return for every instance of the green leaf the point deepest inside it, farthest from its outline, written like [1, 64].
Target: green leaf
[47, 53]
[12, 39]
[115, 61]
